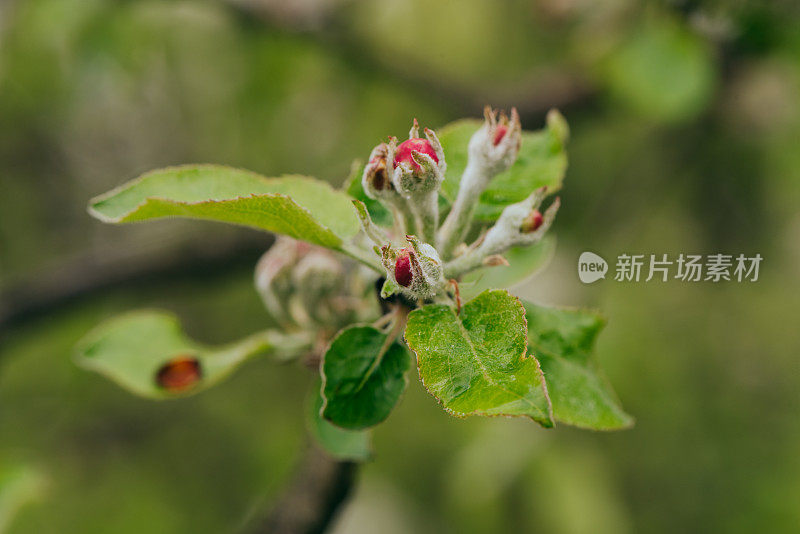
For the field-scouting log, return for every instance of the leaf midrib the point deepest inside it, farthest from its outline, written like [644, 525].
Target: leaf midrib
[485, 370]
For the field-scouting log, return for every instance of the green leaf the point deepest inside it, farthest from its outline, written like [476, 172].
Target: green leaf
[389, 288]
[363, 376]
[380, 215]
[20, 485]
[475, 362]
[563, 341]
[523, 262]
[147, 353]
[297, 206]
[542, 161]
[455, 140]
[342, 444]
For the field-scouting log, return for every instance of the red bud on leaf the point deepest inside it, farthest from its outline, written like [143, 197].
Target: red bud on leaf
[179, 374]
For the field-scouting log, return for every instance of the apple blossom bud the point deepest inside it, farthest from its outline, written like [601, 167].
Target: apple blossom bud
[417, 269]
[419, 168]
[499, 134]
[377, 181]
[308, 286]
[419, 164]
[492, 150]
[518, 224]
[494, 147]
[402, 268]
[532, 222]
[405, 149]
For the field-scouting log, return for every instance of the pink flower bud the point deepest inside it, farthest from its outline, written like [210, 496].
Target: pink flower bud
[532, 222]
[402, 268]
[499, 134]
[423, 146]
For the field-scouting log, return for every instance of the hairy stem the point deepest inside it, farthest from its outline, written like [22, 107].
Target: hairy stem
[455, 227]
[427, 216]
[404, 218]
[362, 256]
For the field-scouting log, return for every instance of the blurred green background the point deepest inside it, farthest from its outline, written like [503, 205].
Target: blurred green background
[685, 120]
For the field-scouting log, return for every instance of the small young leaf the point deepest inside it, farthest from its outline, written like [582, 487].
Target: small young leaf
[542, 160]
[147, 353]
[475, 362]
[20, 484]
[297, 206]
[563, 341]
[363, 376]
[342, 444]
[389, 288]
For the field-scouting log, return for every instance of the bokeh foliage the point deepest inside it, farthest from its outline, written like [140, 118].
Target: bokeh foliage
[684, 124]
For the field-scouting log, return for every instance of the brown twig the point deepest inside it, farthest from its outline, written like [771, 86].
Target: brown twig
[310, 502]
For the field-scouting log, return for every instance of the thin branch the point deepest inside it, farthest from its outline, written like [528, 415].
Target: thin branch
[533, 96]
[87, 275]
[310, 503]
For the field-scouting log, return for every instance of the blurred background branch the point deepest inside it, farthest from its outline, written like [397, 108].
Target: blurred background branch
[533, 95]
[88, 275]
[310, 502]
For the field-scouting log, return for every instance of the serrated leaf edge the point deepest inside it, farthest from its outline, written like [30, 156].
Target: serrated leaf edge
[461, 415]
[324, 378]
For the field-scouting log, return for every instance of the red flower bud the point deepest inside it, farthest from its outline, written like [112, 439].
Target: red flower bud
[422, 146]
[179, 374]
[499, 134]
[402, 268]
[532, 222]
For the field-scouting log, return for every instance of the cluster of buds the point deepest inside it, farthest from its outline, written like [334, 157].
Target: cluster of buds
[306, 286]
[407, 178]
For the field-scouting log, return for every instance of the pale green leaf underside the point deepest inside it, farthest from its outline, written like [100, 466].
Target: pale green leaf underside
[563, 341]
[523, 263]
[475, 363]
[542, 160]
[20, 485]
[130, 350]
[297, 206]
[363, 377]
[342, 444]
